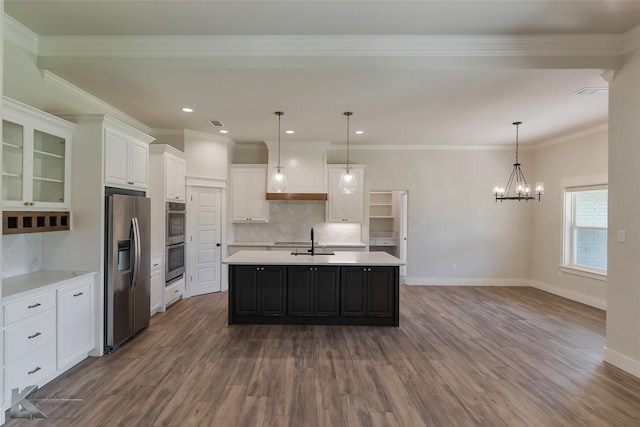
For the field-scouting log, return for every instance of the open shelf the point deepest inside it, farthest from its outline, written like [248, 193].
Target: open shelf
[20, 222]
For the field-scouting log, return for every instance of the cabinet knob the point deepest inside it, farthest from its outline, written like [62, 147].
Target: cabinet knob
[130, 182]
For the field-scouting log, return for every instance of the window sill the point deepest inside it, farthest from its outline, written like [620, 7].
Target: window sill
[591, 274]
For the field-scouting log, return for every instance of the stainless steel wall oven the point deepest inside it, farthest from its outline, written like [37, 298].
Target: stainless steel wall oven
[176, 223]
[175, 240]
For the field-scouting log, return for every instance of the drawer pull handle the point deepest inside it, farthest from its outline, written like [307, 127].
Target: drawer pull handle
[35, 305]
[37, 334]
[176, 291]
[37, 368]
[78, 294]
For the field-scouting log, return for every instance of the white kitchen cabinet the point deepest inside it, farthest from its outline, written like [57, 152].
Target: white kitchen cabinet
[345, 207]
[36, 150]
[157, 284]
[174, 291]
[249, 202]
[126, 161]
[75, 322]
[168, 172]
[49, 326]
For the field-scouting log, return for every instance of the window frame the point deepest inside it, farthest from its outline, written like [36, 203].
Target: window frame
[570, 187]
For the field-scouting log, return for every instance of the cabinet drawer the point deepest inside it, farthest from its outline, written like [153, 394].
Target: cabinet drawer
[382, 242]
[32, 306]
[35, 369]
[173, 291]
[28, 336]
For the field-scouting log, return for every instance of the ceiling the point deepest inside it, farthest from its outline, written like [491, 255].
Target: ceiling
[437, 73]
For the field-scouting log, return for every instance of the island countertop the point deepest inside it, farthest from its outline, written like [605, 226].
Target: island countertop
[286, 258]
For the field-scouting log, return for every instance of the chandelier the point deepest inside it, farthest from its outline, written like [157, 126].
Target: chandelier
[278, 181]
[347, 183]
[517, 182]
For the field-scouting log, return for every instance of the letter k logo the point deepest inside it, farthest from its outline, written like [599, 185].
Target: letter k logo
[21, 407]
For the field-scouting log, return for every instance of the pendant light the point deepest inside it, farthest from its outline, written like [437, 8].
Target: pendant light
[348, 183]
[522, 190]
[278, 181]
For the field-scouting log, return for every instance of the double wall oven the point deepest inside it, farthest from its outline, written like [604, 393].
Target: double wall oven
[175, 239]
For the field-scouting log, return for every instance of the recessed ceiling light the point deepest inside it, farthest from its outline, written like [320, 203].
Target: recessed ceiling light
[359, 132]
[187, 109]
[224, 131]
[289, 131]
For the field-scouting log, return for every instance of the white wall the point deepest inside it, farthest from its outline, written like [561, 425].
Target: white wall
[453, 217]
[582, 155]
[623, 289]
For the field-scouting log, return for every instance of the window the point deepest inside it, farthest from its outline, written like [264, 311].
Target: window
[585, 236]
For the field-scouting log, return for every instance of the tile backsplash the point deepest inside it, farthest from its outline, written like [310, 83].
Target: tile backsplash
[21, 254]
[291, 221]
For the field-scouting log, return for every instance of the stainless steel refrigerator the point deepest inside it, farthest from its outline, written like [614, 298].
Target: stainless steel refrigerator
[127, 267]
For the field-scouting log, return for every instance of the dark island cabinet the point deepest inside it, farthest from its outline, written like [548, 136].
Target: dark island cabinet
[368, 291]
[313, 291]
[257, 290]
[314, 294]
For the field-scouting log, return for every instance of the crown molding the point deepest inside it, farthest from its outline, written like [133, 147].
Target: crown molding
[384, 147]
[571, 136]
[24, 37]
[631, 40]
[59, 82]
[205, 46]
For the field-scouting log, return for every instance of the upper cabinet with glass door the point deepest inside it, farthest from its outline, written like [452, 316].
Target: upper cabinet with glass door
[36, 167]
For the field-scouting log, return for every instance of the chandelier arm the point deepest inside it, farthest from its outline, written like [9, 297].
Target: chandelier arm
[510, 182]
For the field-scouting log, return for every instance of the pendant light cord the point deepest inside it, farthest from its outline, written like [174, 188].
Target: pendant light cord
[279, 114]
[348, 114]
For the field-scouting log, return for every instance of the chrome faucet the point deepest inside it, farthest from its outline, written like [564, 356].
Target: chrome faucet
[312, 250]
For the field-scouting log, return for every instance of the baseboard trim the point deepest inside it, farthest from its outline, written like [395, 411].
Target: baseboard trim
[427, 281]
[623, 362]
[572, 295]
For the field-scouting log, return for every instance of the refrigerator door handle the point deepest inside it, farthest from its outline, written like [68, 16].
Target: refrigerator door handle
[136, 251]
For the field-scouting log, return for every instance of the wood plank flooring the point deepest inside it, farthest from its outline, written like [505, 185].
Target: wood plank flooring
[462, 356]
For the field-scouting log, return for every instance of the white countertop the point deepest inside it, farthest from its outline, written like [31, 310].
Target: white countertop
[340, 258]
[27, 283]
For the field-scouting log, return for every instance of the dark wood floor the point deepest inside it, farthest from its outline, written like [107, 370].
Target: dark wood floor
[463, 356]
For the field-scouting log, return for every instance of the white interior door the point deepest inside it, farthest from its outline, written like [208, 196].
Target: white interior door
[204, 214]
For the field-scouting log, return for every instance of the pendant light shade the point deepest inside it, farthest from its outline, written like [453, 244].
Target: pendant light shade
[278, 182]
[517, 183]
[348, 183]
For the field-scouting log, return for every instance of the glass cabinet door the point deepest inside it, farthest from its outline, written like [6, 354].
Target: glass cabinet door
[12, 160]
[48, 167]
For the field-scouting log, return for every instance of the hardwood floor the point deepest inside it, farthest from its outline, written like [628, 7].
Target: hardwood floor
[462, 356]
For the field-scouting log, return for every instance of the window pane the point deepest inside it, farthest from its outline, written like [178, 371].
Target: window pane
[591, 208]
[591, 248]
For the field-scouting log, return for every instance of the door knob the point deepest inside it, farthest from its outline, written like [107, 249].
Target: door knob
[218, 244]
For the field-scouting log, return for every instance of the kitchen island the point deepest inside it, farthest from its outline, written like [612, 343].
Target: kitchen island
[345, 288]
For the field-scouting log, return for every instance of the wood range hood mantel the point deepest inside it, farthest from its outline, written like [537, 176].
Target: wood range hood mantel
[298, 196]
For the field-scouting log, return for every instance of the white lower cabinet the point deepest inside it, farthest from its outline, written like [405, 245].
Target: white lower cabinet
[174, 291]
[48, 329]
[156, 285]
[75, 322]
